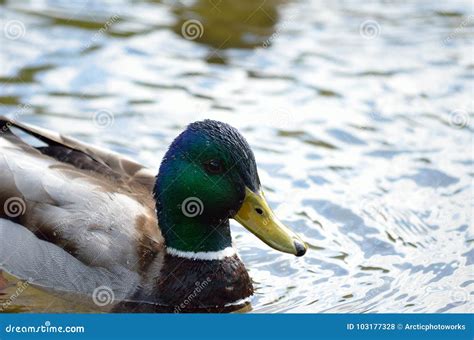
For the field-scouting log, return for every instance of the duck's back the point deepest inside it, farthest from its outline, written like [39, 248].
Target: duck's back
[94, 205]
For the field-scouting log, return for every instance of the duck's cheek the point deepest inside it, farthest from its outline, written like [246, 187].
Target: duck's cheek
[218, 209]
[221, 200]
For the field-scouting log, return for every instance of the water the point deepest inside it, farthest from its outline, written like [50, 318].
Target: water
[360, 116]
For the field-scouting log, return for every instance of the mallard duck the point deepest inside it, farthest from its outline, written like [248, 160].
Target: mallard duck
[77, 218]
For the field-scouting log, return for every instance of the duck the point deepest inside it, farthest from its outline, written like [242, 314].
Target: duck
[92, 225]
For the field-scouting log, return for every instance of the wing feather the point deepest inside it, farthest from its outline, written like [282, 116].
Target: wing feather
[99, 220]
[49, 267]
[81, 154]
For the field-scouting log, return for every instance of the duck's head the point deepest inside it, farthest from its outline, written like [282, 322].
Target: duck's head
[208, 176]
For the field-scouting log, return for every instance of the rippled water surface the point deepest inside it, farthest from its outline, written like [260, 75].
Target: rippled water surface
[360, 116]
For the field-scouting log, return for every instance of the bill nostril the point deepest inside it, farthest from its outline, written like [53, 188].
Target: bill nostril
[259, 211]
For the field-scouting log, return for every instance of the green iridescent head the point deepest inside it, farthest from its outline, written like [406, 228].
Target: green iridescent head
[205, 178]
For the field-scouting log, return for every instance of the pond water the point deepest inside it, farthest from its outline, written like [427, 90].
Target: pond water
[360, 116]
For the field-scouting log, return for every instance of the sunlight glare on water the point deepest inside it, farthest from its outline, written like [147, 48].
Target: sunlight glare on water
[360, 117]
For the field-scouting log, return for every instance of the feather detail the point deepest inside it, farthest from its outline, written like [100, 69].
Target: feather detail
[73, 151]
[82, 200]
[49, 267]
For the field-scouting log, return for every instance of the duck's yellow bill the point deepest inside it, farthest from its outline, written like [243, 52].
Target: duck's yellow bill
[258, 218]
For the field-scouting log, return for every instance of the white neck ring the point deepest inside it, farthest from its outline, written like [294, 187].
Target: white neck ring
[202, 255]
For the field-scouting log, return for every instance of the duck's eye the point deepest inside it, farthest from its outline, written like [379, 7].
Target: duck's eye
[214, 166]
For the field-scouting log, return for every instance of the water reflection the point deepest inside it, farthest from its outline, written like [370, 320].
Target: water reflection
[362, 141]
[227, 24]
